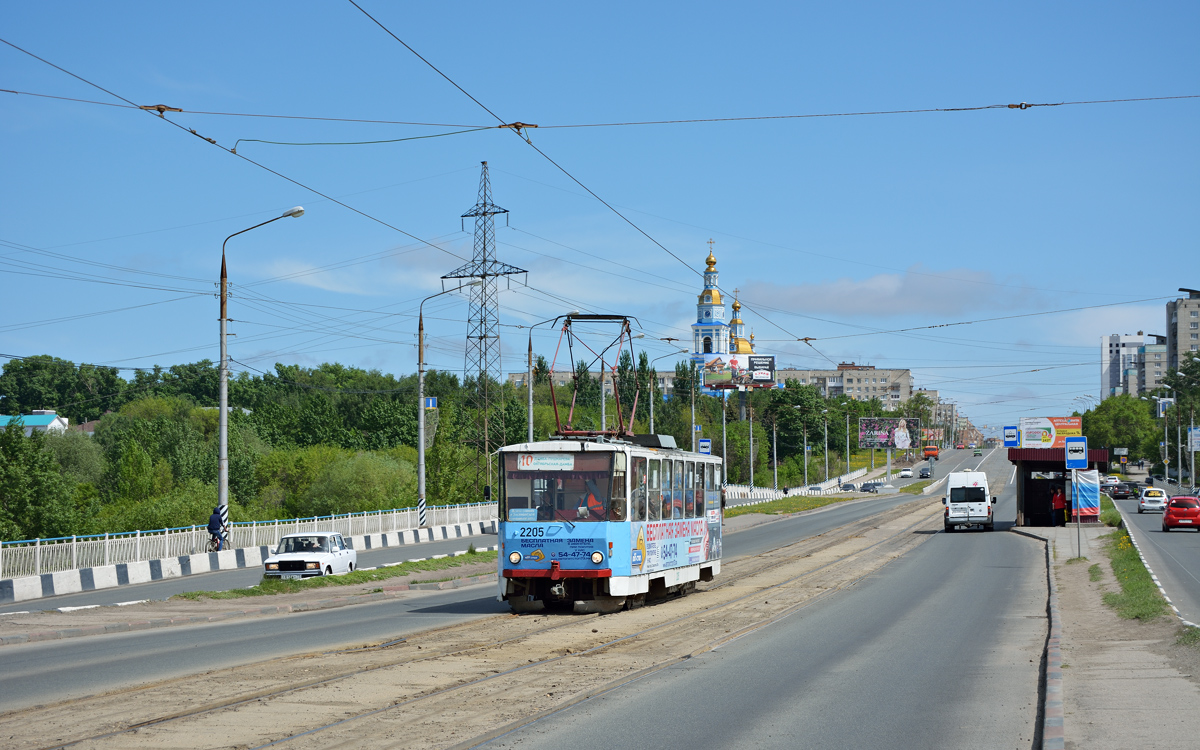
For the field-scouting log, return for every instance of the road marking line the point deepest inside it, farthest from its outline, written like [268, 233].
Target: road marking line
[65, 610]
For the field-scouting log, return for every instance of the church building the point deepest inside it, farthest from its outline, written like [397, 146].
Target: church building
[711, 334]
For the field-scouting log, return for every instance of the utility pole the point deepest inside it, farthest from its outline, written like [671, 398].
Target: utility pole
[693, 380]
[847, 442]
[775, 454]
[223, 383]
[752, 445]
[603, 399]
[724, 406]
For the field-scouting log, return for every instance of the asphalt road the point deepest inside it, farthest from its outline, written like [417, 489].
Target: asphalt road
[941, 648]
[225, 580]
[51, 671]
[48, 671]
[1174, 556]
[231, 579]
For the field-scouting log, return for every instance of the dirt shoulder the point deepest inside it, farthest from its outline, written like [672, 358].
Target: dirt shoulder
[52, 624]
[1126, 683]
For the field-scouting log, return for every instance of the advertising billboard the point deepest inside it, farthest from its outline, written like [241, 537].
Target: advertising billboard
[734, 370]
[931, 434]
[888, 432]
[1049, 432]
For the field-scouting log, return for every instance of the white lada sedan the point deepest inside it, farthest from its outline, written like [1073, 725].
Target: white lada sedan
[313, 553]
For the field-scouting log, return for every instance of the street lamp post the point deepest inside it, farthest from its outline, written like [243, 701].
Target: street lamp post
[804, 429]
[826, 448]
[421, 399]
[529, 377]
[223, 383]
[654, 387]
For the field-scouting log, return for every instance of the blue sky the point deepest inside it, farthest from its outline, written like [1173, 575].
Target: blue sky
[830, 226]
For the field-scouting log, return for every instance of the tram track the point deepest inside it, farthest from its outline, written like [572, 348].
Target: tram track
[509, 630]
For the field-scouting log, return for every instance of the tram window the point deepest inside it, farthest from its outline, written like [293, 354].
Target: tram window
[617, 505]
[653, 490]
[677, 491]
[667, 469]
[638, 496]
[689, 486]
[711, 475]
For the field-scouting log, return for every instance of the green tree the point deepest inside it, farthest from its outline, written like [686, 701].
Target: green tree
[1124, 421]
[36, 500]
[43, 382]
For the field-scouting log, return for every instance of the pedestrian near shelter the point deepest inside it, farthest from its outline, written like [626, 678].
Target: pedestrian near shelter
[1040, 473]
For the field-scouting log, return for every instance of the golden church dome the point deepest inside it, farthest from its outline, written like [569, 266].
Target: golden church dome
[711, 260]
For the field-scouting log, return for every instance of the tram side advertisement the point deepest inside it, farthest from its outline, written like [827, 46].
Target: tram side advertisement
[660, 545]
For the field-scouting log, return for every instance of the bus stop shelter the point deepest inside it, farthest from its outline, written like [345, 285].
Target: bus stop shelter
[1041, 471]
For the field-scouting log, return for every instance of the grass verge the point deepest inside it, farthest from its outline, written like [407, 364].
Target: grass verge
[1138, 598]
[786, 505]
[1109, 515]
[916, 488]
[272, 586]
[1094, 573]
[1189, 637]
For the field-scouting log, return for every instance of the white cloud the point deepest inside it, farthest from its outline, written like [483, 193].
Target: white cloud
[919, 290]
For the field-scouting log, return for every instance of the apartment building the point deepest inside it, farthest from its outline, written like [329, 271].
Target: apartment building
[1152, 364]
[1118, 363]
[1183, 328]
[859, 382]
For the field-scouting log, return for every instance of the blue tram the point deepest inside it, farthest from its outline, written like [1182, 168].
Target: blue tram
[602, 524]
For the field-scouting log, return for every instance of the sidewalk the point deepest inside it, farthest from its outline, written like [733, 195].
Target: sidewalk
[1111, 683]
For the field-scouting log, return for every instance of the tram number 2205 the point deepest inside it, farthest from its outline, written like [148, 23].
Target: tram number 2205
[531, 531]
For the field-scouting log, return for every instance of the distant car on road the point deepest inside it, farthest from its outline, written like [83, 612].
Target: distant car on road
[870, 486]
[925, 472]
[1152, 499]
[815, 488]
[848, 487]
[1182, 513]
[960, 446]
[978, 451]
[1123, 491]
[906, 473]
[312, 553]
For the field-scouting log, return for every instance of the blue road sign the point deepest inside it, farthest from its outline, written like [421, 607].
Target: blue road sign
[1076, 453]
[431, 402]
[697, 427]
[1012, 437]
[706, 446]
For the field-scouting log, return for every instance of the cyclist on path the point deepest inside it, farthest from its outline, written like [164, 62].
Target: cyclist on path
[214, 528]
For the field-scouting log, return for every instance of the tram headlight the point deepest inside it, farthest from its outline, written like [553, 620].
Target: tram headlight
[514, 558]
[597, 557]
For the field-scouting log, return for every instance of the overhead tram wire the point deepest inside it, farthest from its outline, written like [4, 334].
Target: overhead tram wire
[516, 130]
[241, 156]
[248, 160]
[9, 328]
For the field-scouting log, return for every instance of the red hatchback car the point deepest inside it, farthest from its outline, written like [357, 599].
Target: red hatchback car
[1181, 513]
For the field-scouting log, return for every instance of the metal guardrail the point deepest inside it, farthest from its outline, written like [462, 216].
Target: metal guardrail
[37, 556]
[747, 492]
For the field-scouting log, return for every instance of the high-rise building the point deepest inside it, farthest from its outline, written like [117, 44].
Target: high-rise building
[1183, 328]
[1118, 354]
[1152, 364]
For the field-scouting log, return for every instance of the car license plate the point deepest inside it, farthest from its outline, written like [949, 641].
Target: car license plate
[1185, 520]
[292, 575]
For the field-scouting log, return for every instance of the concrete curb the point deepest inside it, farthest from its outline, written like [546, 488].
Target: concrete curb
[1053, 731]
[389, 592]
[13, 590]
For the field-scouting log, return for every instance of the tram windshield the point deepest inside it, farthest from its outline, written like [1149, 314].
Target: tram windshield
[571, 487]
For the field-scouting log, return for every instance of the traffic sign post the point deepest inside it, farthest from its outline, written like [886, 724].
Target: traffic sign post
[431, 402]
[706, 446]
[1076, 452]
[1012, 437]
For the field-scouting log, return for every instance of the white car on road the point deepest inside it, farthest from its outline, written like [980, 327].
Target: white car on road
[906, 473]
[1152, 499]
[312, 553]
